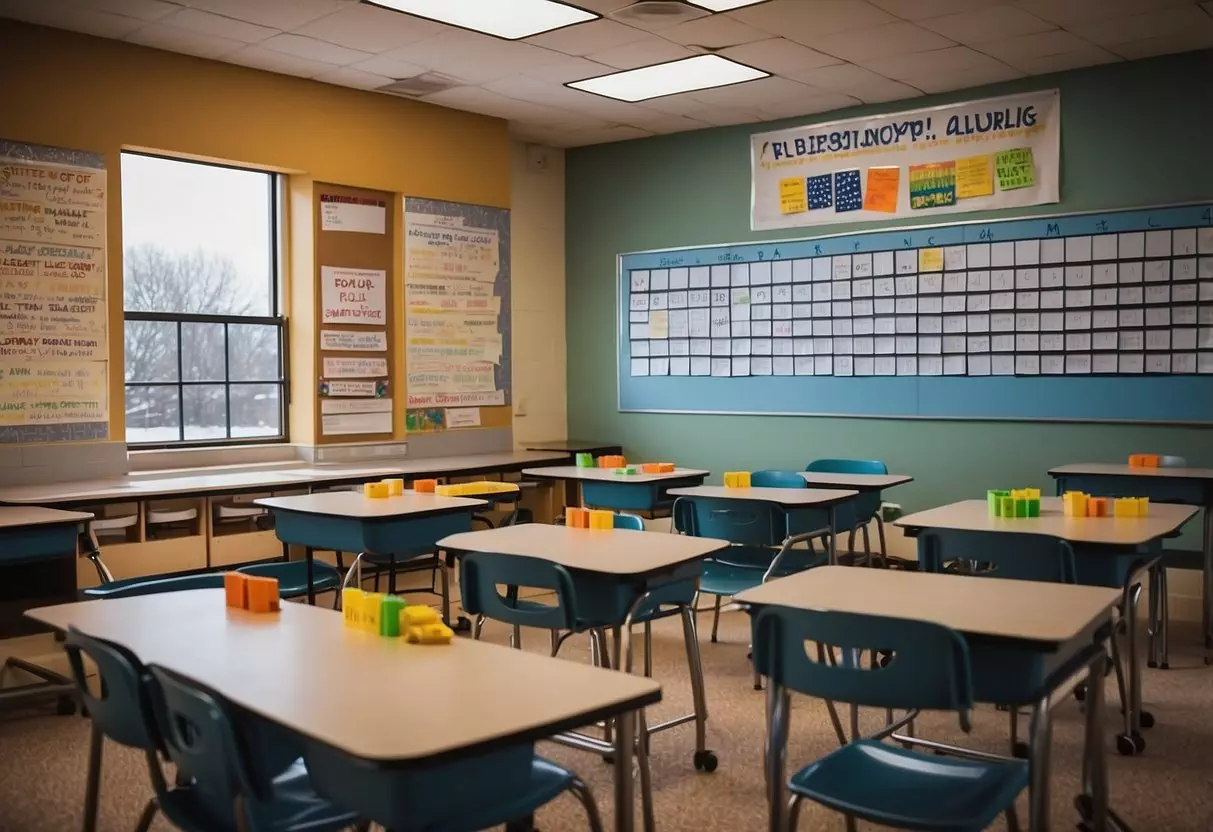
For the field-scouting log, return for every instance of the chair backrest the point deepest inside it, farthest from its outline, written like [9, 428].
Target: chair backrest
[154, 584]
[1020, 556]
[928, 667]
[122, 710]
[631, 522]
[774, 478]
[847, 466]
[738, 521]
[480, 573]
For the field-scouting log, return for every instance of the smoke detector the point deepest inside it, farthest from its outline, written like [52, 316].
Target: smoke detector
[419, 85]
[657, 14]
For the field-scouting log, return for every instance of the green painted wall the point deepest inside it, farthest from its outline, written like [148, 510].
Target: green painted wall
[1133, 134]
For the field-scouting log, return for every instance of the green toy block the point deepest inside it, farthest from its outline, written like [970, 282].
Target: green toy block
[585, 460]
[1006, 506]
[626, 471]
[994, 499]
[1033, 506]
[389, 615]
[1021, 507]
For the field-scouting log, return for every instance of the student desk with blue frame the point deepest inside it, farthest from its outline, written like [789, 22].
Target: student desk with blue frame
[338, 706]
[1024, 639]
[1108, 551]
[603, 488]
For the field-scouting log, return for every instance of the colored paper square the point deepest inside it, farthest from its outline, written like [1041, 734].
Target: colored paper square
[974, 177]
[1015, 169]
[883, 186]
[933, 185]
[792, 198]
[820, 191]
[930, 260]
[848, 192]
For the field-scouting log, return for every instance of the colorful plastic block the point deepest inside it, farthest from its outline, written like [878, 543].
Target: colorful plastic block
[421, 625]
[736, 479]
[375, 490]
[262, 594]
[1033, 506]
[1143, 460]
[994, 501]
[372, 609]
[1021, 506]
[395, 487]
[425, 486]
[1131, 507]
[651, 467]
[611, 461]
[235, 588]
[585, 460]
[626, 471]
[1006, 506]
[577, 518]
[351, 607]
[601, 519]
[389, 615]
[665, 468]
[1097, 507]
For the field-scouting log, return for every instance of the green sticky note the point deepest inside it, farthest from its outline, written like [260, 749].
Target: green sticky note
[1015, 169]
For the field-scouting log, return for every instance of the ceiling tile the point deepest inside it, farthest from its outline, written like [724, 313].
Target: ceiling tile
[1085, 11]
[663, 123]
[225, 27]
[472, 57]
[88, 21]
[798, 19]
[1188, 21]
[1089, 55]
[277, 14]
[778, 55]
[945, 82]
[584, 38]
[348, 77]
[884, 91]
[142, 9]
[388, 67]
[754, 94]
[840, 77]
[724, 116]
[315, 50]
[370, 28]
[567, 69]
[714, 32]
[1164, 45]
[603, 6]
[526, 88]
[957, 60]
[1038, 44]
[651, 50]
[808, 105]
[898, 38]
[606, 135]
[478, 100]
[180, 40]
[986, 24]
[684, 104]
[921, 9]
[280, 62]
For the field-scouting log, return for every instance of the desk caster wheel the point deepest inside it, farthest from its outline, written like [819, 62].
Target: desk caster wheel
[462, 625]
[1146, 719]
[1130, 745]
[1083, 804]
[1153, 665]
[1020, 751]
[1165, 665]
[706, 761]
[65, 706]
[1080, 693]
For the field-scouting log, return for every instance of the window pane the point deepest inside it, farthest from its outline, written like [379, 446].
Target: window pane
[253, 353]
[205, 407]
[151, 351]
[256, 410]
[198, 238]
[202, 351]
[153, 414]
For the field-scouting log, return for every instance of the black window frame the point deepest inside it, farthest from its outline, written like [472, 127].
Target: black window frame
[275, 183]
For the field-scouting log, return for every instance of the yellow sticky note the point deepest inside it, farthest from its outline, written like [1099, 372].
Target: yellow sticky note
[974, 177]
[793, 198]
[883, 186]
[930, 259]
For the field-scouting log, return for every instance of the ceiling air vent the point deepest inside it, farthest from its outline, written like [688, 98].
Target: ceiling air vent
[419, 85]
[650, 14]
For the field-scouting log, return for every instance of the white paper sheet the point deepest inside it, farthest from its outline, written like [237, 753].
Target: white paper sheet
[979, 365]
[1053, 251]
[659, 280]
[1104, 362]
[1158, 243]
[739, 274]
[1002, 255]
[1103, 247]
[1132, 244]
[1078, 249]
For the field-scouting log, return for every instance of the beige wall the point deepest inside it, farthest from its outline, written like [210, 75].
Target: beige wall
[537, 287]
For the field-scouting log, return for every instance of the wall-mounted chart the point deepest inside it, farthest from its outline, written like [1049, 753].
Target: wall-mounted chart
[1086, 316]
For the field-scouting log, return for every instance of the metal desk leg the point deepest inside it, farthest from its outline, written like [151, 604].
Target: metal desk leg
[625, 736]
[1039, 752]
[778, 705]
[1093, 803]
[833, 538]
[311, 585]
[1207, 594]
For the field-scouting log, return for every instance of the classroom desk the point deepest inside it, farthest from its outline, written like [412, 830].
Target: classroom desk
[1014, 628]
[1188, 486]
[575, 446]
[603, 488]
[475, 697]
[1108, 551]
[801, 504]
[858, 482]
[346, 521]
[30, 533]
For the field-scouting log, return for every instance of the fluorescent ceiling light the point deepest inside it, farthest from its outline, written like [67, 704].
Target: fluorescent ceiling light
[699, 73]
[723, 5]
[509, 19]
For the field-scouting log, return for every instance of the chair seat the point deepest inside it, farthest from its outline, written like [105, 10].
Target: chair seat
[731, 578]
[293, 807]
[889, 785]
[292, 576]
[546, 783]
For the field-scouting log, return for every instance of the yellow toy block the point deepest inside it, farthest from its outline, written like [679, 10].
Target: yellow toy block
[446, 490]
[1074, 504]
[395, 487]
[352, 600]
[1143, 506]
[417, 616]
[736, 479]
[602, 519]
[375, 490]
[437, 633]
[372, 608]
[1125, 507]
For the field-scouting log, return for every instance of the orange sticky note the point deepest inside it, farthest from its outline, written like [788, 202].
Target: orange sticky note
[883, 186]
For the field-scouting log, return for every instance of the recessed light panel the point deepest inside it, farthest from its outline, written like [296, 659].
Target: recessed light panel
[509, 19]
[723, 5]
[699, 73]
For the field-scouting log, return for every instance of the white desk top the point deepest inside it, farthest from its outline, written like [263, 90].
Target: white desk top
[353, 505]
[200, 482]
[442, 699]
[15, 517]
[860, 482]
[1024, 610]
[1122, 470]
[797, 497]
[608, 551]
[572, 472]
[974, 515]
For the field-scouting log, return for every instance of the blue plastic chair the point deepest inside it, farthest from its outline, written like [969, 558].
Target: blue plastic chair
[221, 788]
[152, 585]
[121, 712]
[867, 779]
[292, 577]
[777, 478]
[855, 514]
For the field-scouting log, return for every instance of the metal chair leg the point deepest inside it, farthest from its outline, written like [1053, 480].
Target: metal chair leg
[149, 814]
[716, 618]
[516, 638]
[648, 649]
[92, 783]
[477, 628]
[793, 812]
[698, 692]
[582, 792]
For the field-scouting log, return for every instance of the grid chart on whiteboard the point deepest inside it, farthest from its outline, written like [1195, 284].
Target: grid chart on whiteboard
[1126, 302]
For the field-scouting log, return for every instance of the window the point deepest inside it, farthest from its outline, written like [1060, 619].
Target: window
[205, 339]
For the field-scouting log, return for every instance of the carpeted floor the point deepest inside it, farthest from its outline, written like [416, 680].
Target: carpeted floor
[42, 757]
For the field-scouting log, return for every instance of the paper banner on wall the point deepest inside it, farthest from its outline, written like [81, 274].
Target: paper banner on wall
[340, 340]
[974, 177]
[345, 424]
[425, 419]
[341, 387]
[340, 367]
[333, 406]
[353, 296]
[1015, 169]
[933, 185]
[792, 198]
[463, 417]
[47, 392]
[352, 213]
[884, 184]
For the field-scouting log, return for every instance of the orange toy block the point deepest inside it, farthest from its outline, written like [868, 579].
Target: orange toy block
[577, 518]
[425, 486]
[235, 587]
[665, 467]
[1144, 460]
[1097, 507]
[651, 467]
[611, 461]
[262, 594]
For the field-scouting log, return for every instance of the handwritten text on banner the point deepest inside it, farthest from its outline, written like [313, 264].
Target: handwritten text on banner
[353, 296]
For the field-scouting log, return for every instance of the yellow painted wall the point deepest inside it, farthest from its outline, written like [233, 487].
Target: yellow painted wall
[104, 96]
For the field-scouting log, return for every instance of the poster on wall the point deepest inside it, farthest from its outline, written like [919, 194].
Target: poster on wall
[53, 341]
[341, 340]
[353, 296]
[917, 164]
[352, 213]
[456, 298]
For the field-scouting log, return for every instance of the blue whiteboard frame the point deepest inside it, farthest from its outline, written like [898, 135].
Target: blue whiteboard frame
[1165, 399]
